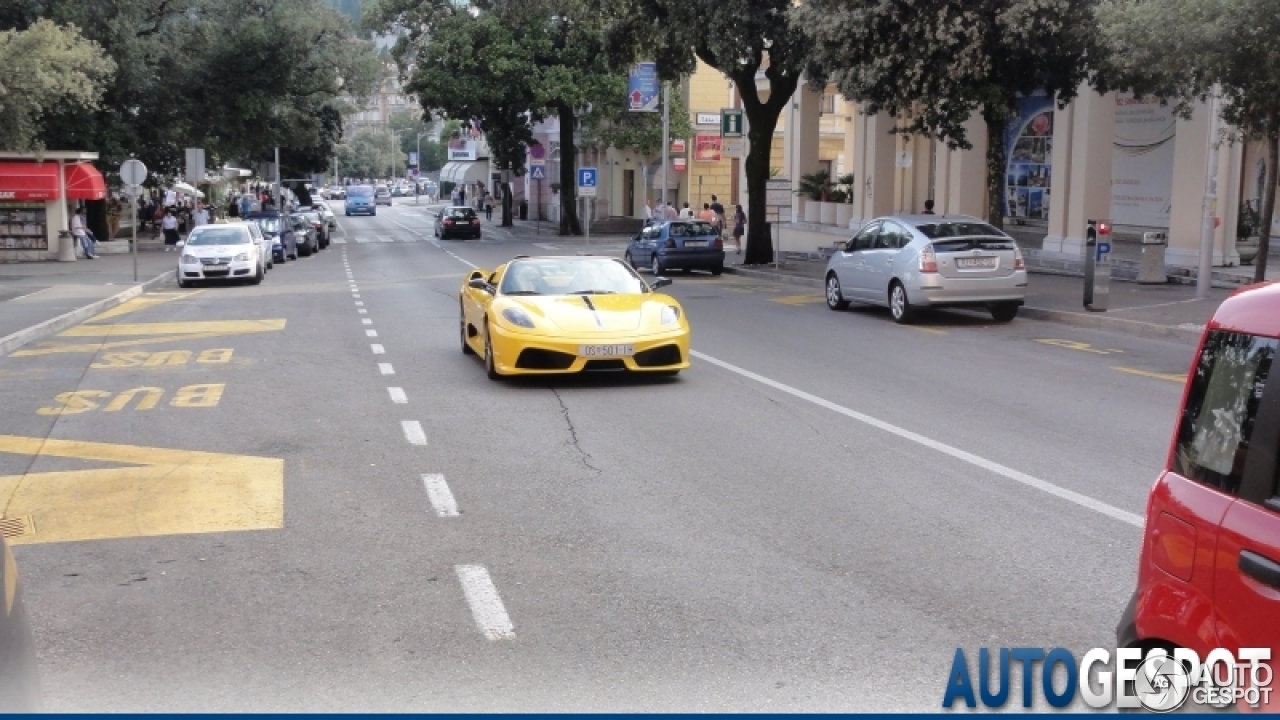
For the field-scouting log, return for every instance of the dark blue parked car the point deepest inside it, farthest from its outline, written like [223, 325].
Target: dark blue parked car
[284, 243]
[677, 245]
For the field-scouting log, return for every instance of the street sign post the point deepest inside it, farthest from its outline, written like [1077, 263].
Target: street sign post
[133, 173]
[588, 179]
[730, 123]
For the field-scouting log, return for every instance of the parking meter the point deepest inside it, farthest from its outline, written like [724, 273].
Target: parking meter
[1097, 265]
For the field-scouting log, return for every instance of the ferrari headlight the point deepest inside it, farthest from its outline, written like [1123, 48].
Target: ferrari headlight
[242, 257]
[519, 317]
[670, 315]
[190, 260]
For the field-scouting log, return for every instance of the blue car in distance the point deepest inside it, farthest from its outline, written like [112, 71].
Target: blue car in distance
[284, 242]
[360, 200]
[677, 245]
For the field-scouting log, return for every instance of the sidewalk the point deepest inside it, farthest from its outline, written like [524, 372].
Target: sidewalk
[1161, 311]
[40, 298]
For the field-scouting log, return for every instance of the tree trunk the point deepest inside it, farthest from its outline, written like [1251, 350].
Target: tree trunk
[995, 169]
[1268, 203]
[569, 224]
[763, 119]
[507, 220]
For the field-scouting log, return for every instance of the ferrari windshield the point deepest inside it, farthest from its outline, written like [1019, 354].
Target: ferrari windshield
[571, 276]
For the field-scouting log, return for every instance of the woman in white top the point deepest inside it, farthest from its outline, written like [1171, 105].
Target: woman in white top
[686, 213]
[170, 226]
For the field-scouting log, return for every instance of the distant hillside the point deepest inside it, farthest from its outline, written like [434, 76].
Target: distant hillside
[350, 8]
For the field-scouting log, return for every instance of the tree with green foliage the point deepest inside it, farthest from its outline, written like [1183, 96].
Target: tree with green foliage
[236, 77]
[639, 131]
[369, 153]
[1184, 51]
[934, 63]
[409, 125]
[740, 38]
[47, 68]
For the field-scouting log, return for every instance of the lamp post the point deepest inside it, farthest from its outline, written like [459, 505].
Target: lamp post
[419, 178]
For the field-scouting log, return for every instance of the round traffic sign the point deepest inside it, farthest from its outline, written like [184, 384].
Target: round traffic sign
[133, 172]
[537, 151]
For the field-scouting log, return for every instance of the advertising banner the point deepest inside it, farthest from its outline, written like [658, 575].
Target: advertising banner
[1028, 148]
[643, 88]
[707, 148]
[1142, 162]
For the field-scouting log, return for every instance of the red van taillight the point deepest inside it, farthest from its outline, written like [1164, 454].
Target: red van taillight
[719, 243]
[475, 221]
[928, 260]
[448, 222]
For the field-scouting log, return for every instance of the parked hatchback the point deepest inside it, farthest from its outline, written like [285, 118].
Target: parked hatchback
[1209, 570]
[907, 262]
[677, 245]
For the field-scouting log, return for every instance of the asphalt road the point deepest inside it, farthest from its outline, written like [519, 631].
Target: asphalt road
[324, 505]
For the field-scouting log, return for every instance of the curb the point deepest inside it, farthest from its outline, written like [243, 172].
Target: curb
[13, 341]
[1189, 334]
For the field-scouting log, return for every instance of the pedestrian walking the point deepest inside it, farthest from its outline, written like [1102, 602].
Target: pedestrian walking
[707, 215]
[928, 208]
[81, 232]
[114, 209]
[739, 226]
[686, 213]
[488, 206]
[245, 205]
[648, 213]
[202, 215]
[671, 211]
[170, 226]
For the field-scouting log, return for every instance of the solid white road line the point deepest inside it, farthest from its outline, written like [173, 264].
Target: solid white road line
[486, 607]
[366, 321]
[440, 496]
[397, 395]
[413, 432]
[378, 350]
[371, 333]
[386, 369]
[1017, 476]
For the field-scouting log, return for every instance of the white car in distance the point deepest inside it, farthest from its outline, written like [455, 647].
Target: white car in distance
[221, 252]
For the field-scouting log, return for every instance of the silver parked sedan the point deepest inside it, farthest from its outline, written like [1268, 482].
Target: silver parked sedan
[906, 262]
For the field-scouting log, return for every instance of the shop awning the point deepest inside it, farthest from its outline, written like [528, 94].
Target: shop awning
[84, 182]
[461, 173]
[28, 181]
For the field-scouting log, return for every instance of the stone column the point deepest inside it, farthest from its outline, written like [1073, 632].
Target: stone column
[873, 164]
[1190, 164]
[961, 175]
[802, 133]
[1060, 208]
[1086, 193]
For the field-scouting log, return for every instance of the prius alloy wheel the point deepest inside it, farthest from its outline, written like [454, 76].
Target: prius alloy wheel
[835, 298]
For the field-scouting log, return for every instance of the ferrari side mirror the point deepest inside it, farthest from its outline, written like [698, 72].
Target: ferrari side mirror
[660, 282]
[478, 284]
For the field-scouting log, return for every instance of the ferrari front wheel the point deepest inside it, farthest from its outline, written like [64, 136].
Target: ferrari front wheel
[489, 368]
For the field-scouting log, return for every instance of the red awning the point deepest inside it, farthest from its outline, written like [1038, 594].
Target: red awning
[29, 181]
[84, 182]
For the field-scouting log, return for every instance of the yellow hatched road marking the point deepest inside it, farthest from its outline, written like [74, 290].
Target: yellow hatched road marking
[95, 347]
[165, 492]
[141, 303]
[175, 328]
[923, 329]
[798, 299]
[1171, 377]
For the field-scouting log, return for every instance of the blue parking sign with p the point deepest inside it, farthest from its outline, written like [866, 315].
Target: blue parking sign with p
[586, 177]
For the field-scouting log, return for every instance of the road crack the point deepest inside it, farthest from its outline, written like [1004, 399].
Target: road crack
[573, 433]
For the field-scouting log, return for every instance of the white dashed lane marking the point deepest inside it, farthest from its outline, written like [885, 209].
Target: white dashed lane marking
[386, 369]
[486, 607]
[366, 321]
[413, 432]
[440, 496]
[397, 395]
[378, 349]
[371, 333]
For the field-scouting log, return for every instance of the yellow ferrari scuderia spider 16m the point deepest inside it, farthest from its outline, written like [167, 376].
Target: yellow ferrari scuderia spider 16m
[546, 315]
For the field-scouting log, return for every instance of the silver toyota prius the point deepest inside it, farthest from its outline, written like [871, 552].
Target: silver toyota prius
[908, 262]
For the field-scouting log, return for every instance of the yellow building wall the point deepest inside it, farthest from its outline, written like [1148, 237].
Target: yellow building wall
[708, 93]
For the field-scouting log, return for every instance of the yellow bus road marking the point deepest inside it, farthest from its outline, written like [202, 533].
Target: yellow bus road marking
[175, 328]
[1077, 345]
[798, 299]
[1171, 377]
[165, 492]
[95, 347]
[112, 360]
[141, 303]
[83, 401]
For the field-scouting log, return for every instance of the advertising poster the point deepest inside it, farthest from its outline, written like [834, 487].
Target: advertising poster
[707, 148]
[643, 88]
[1142, 162]
[1028, 147]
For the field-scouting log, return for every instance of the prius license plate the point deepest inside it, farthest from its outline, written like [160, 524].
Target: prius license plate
[593, 351]
[974, 263]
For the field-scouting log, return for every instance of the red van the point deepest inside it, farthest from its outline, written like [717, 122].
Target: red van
[1209, 572]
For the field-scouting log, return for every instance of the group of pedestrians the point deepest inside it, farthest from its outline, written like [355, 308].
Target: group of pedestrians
[712, 212]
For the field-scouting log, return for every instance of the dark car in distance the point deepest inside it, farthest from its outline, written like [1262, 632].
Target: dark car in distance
[284, 242]
[457, 221]
[308, 238]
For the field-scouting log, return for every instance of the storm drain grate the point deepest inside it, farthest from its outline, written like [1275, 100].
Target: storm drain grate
[11, 527]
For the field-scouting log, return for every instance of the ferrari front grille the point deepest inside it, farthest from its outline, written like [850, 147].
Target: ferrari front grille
[536, 359]
[660, 356]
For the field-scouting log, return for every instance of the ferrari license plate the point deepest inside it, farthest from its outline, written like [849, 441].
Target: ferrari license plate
[595, 351]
